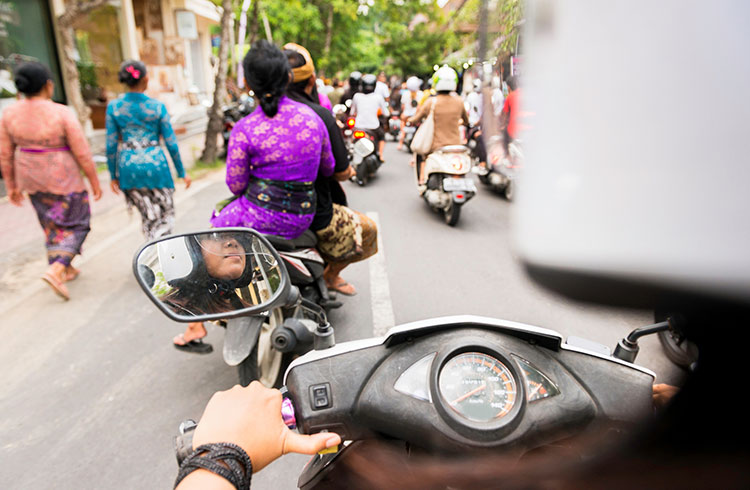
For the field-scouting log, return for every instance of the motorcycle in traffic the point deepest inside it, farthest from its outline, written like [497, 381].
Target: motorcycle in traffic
[448, 183]
[460, 384]
[363, 155]
[501, 171]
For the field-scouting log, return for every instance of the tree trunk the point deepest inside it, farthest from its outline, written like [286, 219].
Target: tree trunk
[254, 24]
[329, 38]
[74, 10]
[216, 117]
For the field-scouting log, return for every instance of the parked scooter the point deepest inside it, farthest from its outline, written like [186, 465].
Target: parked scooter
[462, 383]
[501, 172]
[448, 182]
[232, 114]
[269, 297]
[363, 156]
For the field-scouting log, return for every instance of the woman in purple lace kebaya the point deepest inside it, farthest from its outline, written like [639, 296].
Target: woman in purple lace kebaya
[273, 158]
[274, 154]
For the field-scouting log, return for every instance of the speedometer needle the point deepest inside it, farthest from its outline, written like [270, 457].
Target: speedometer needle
[467, 395]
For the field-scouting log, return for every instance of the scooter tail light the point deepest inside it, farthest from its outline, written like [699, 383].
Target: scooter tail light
[459, 196]
[359, 134]
[350, 122]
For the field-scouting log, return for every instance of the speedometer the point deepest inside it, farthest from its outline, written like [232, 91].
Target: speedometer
[478, 387]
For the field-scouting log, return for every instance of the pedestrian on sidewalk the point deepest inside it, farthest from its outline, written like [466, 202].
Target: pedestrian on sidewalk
[137, 164]
[42, 152]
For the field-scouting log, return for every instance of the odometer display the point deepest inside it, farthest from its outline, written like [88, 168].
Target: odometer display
[478, 387]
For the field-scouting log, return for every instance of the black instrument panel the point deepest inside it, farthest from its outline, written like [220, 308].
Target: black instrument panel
[460, 388]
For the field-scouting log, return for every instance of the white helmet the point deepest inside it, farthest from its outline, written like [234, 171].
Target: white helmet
[638, 188]
[445, 79]
[413, 84]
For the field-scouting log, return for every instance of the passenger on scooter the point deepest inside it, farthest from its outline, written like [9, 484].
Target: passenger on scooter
[367, 107]
[273, 158]
[510, 115]
[344, 235]
[449, 111]
[409, 101]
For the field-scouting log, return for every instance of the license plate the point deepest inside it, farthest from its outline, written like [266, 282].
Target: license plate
[451, 184]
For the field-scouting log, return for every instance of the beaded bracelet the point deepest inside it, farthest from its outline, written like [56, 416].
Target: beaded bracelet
[225, 459]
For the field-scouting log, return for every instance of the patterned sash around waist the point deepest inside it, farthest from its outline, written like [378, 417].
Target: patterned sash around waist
[138, 144]
[44, 150]
[282, 196]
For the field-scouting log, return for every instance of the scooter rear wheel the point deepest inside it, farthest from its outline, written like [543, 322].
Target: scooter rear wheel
[452, 213]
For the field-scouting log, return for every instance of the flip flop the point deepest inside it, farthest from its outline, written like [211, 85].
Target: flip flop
[196, 346]
[343, 287]
[56, 286]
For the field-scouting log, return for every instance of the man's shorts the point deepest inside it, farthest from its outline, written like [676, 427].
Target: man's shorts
[349, 237]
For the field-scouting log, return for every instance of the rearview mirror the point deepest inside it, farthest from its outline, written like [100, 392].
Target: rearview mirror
[222, 273]
[339, 109]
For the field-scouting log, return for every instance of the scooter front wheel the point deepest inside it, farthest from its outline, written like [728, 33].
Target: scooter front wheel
[264, 363]
[452, 213]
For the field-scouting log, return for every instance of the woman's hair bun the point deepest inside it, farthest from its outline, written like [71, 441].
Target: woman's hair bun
[131, 72]
[31, 77]
[267, 74]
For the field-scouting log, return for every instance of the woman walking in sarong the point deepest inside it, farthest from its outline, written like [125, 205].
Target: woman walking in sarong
[42, 152]
[138, 167]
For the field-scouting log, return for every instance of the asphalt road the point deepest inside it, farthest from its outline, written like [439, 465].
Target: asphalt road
[92, 391]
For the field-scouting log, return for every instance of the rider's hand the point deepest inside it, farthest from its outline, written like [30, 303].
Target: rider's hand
[662, 394]
[187, 180]
[251, 418]
[115, 186]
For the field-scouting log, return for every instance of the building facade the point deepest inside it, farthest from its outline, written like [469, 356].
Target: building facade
[172, 37]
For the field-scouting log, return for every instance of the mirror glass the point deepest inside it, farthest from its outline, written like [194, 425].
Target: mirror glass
[210, 273]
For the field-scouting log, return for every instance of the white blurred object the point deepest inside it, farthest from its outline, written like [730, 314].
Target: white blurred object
[637, 162]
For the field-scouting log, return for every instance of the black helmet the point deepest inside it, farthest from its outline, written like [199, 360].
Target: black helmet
[368, 83]
[183, 265]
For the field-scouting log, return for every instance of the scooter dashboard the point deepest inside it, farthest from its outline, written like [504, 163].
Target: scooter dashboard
[463, 385]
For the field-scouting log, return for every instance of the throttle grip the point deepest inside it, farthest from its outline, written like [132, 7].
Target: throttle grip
[183, 443]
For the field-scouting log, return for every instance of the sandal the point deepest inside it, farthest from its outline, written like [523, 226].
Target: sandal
[342, 287]
[196, 346]
[56, 285]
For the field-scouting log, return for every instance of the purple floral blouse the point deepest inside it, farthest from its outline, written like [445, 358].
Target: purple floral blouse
[291, 146]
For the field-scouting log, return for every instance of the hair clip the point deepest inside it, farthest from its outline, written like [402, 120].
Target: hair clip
[135, 73]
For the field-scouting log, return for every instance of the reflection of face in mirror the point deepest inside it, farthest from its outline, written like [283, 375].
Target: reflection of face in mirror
[210, 272]
[224, 256]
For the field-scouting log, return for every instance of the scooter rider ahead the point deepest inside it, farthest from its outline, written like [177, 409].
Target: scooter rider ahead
[448, 111]
[355, 79]
[367, 106]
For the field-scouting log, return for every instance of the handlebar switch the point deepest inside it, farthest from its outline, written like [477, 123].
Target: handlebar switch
[320, 396]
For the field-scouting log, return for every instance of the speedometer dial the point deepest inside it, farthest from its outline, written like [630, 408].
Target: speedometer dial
[478, 387]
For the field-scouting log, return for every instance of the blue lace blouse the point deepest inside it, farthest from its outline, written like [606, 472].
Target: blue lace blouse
[134, 123]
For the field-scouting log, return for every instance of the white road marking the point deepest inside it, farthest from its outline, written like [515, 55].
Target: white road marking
[380, 292]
